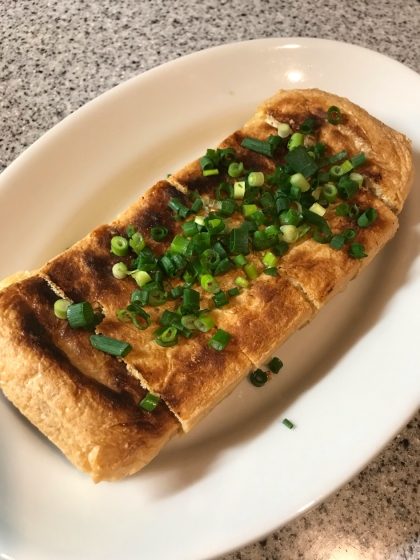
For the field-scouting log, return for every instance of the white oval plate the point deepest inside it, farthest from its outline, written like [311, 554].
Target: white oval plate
[350, 380]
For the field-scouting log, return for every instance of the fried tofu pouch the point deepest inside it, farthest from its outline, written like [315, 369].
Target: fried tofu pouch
[86, 401]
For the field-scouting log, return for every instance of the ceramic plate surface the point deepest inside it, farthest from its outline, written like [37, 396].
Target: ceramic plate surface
[350, 380]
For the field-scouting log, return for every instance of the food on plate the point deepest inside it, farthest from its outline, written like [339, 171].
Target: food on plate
[137, 331]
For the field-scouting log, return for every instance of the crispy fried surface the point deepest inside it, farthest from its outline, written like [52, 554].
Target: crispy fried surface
[83, 400]
[389, 166]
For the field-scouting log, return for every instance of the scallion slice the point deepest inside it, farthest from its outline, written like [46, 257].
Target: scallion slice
[334, 115]
[204, 323]
[201, 242]
[270, 271]
[258, 378]
[220, 340]
[284, 130]
[142, 278]
[347, 189]
[239, 190]
[298, 180]
[119, 270]
[251, 271]
[301, 162]
[137, 242]
[233, 292]
[287, 423]
[210, 172]
[357, 251]
[149, 402]
[349, 234]
[60, 308]
[346, 166]
[290, 233]
[266, 148]
[337, 242]
[342, 209]
[336, 172]
[236, 169]
[322, 236]
[256, 179]
[220, 299]
[131, 230]
[275, 365]
[210, 284]
[307, 126]
[270, 259]
[179, 245]
[119, 246]
[80, 315]
[158, 233]
[110, 345]
[358, 160]
[166, 336]
[242, 282]
[238, 241]
[295, 141]
[140, 296]
[367, 218]
[239, 261]
[329, 192]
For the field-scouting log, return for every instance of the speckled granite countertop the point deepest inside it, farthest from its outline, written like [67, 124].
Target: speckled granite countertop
[56, 56]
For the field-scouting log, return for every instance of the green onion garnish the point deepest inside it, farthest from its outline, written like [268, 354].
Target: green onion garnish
[130, 314]
[233, 292]
[290, 233]
[228, 207]
[142, 278]
[192, 299]
[189, 228]
[275, 365]
[287, 423]
[239, 261]
[354, 211]
[166, 336]
[346, 166]
[266, 148]
[270, 259]
[214, 225]
[187, 321]
[258, 378]
[239, 190]
[349, 234]
[119, 245]
[236, 169]
[357, 251]
[322, 236]
[367, 218]
[347, 189]
[80, 315]
[180, 245]
[256, 179]
[137, 242]
[204, 323]
[210, 284]
[140, 296]
[248, 209]
[158, 233]
[307, 126]
[337, 242]
[295, 141]
[284, 130]
[334, 115]
[251, 271]
[219, 340]
[238, 241]
[342, 209]
[280, 249]
[119, 270]
[110, 345]
[220, 299]
[242, 282]
[358, 160]
[356, 177]
[149, 402]
[270, 271]
[197, 205]
[329, 192]
[131, 230]
[201, 242]
[301, 162]
[224, 266]
[298, 180]
[336, 172]
[210, 172]
[60, 308]
[224, 187]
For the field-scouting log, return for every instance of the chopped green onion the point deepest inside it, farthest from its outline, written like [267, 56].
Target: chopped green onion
[166, 336]
[303, 230]
[270, 271]
[347, 189]
[295, 141]
[329, 192]
[282, 203]
[287, 423]
[149, 402]
[119, 246]
[238, 241]
[266, 148]
[256, 179]
[335, 158]
[80, 315]
[275, 365]
[242, 282]
[210, 284]
[356, 177]
[270, 259]
[337, 242]
[346, 166]
[290, 217]
[210, 259]
[224, 187]
[233, 292]
[251, 271]
[228, 207]
[140, 296]
[119, 270]
[199, 220]
[280, 249]
[258, 378]
[342, 209]
[210, 172]
[223, 267]
[192, 299]
[354, 211]
[349, 234]
[158, 233]
[266, 200]
[142, 278]
[236, 169]
[258, 217]
[219, 340]
[249, 209]
[316, 208]
[137, 242]
[239, 190]
[290, 233]
[298, 180]
[367, 218]
[177, 292]
[204, 323]
[201, 242]
[187, 321]
[307, 126]
[197, 205]
[322, 235]
[239, 261]
[60, 308]
[110, 345]
[220, 299]
[301, 162]
[180, 245]
[131, 230]
[157, 297]
[358, 160]
[284, 130]
[357, 251]
[334, 115]
[131, 313]
[336, 172]
[189, 228]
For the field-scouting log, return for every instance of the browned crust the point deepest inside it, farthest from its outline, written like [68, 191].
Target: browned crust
[389, 168]
[92, 416]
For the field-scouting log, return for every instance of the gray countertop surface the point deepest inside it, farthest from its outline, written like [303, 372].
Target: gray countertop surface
[55, 56]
